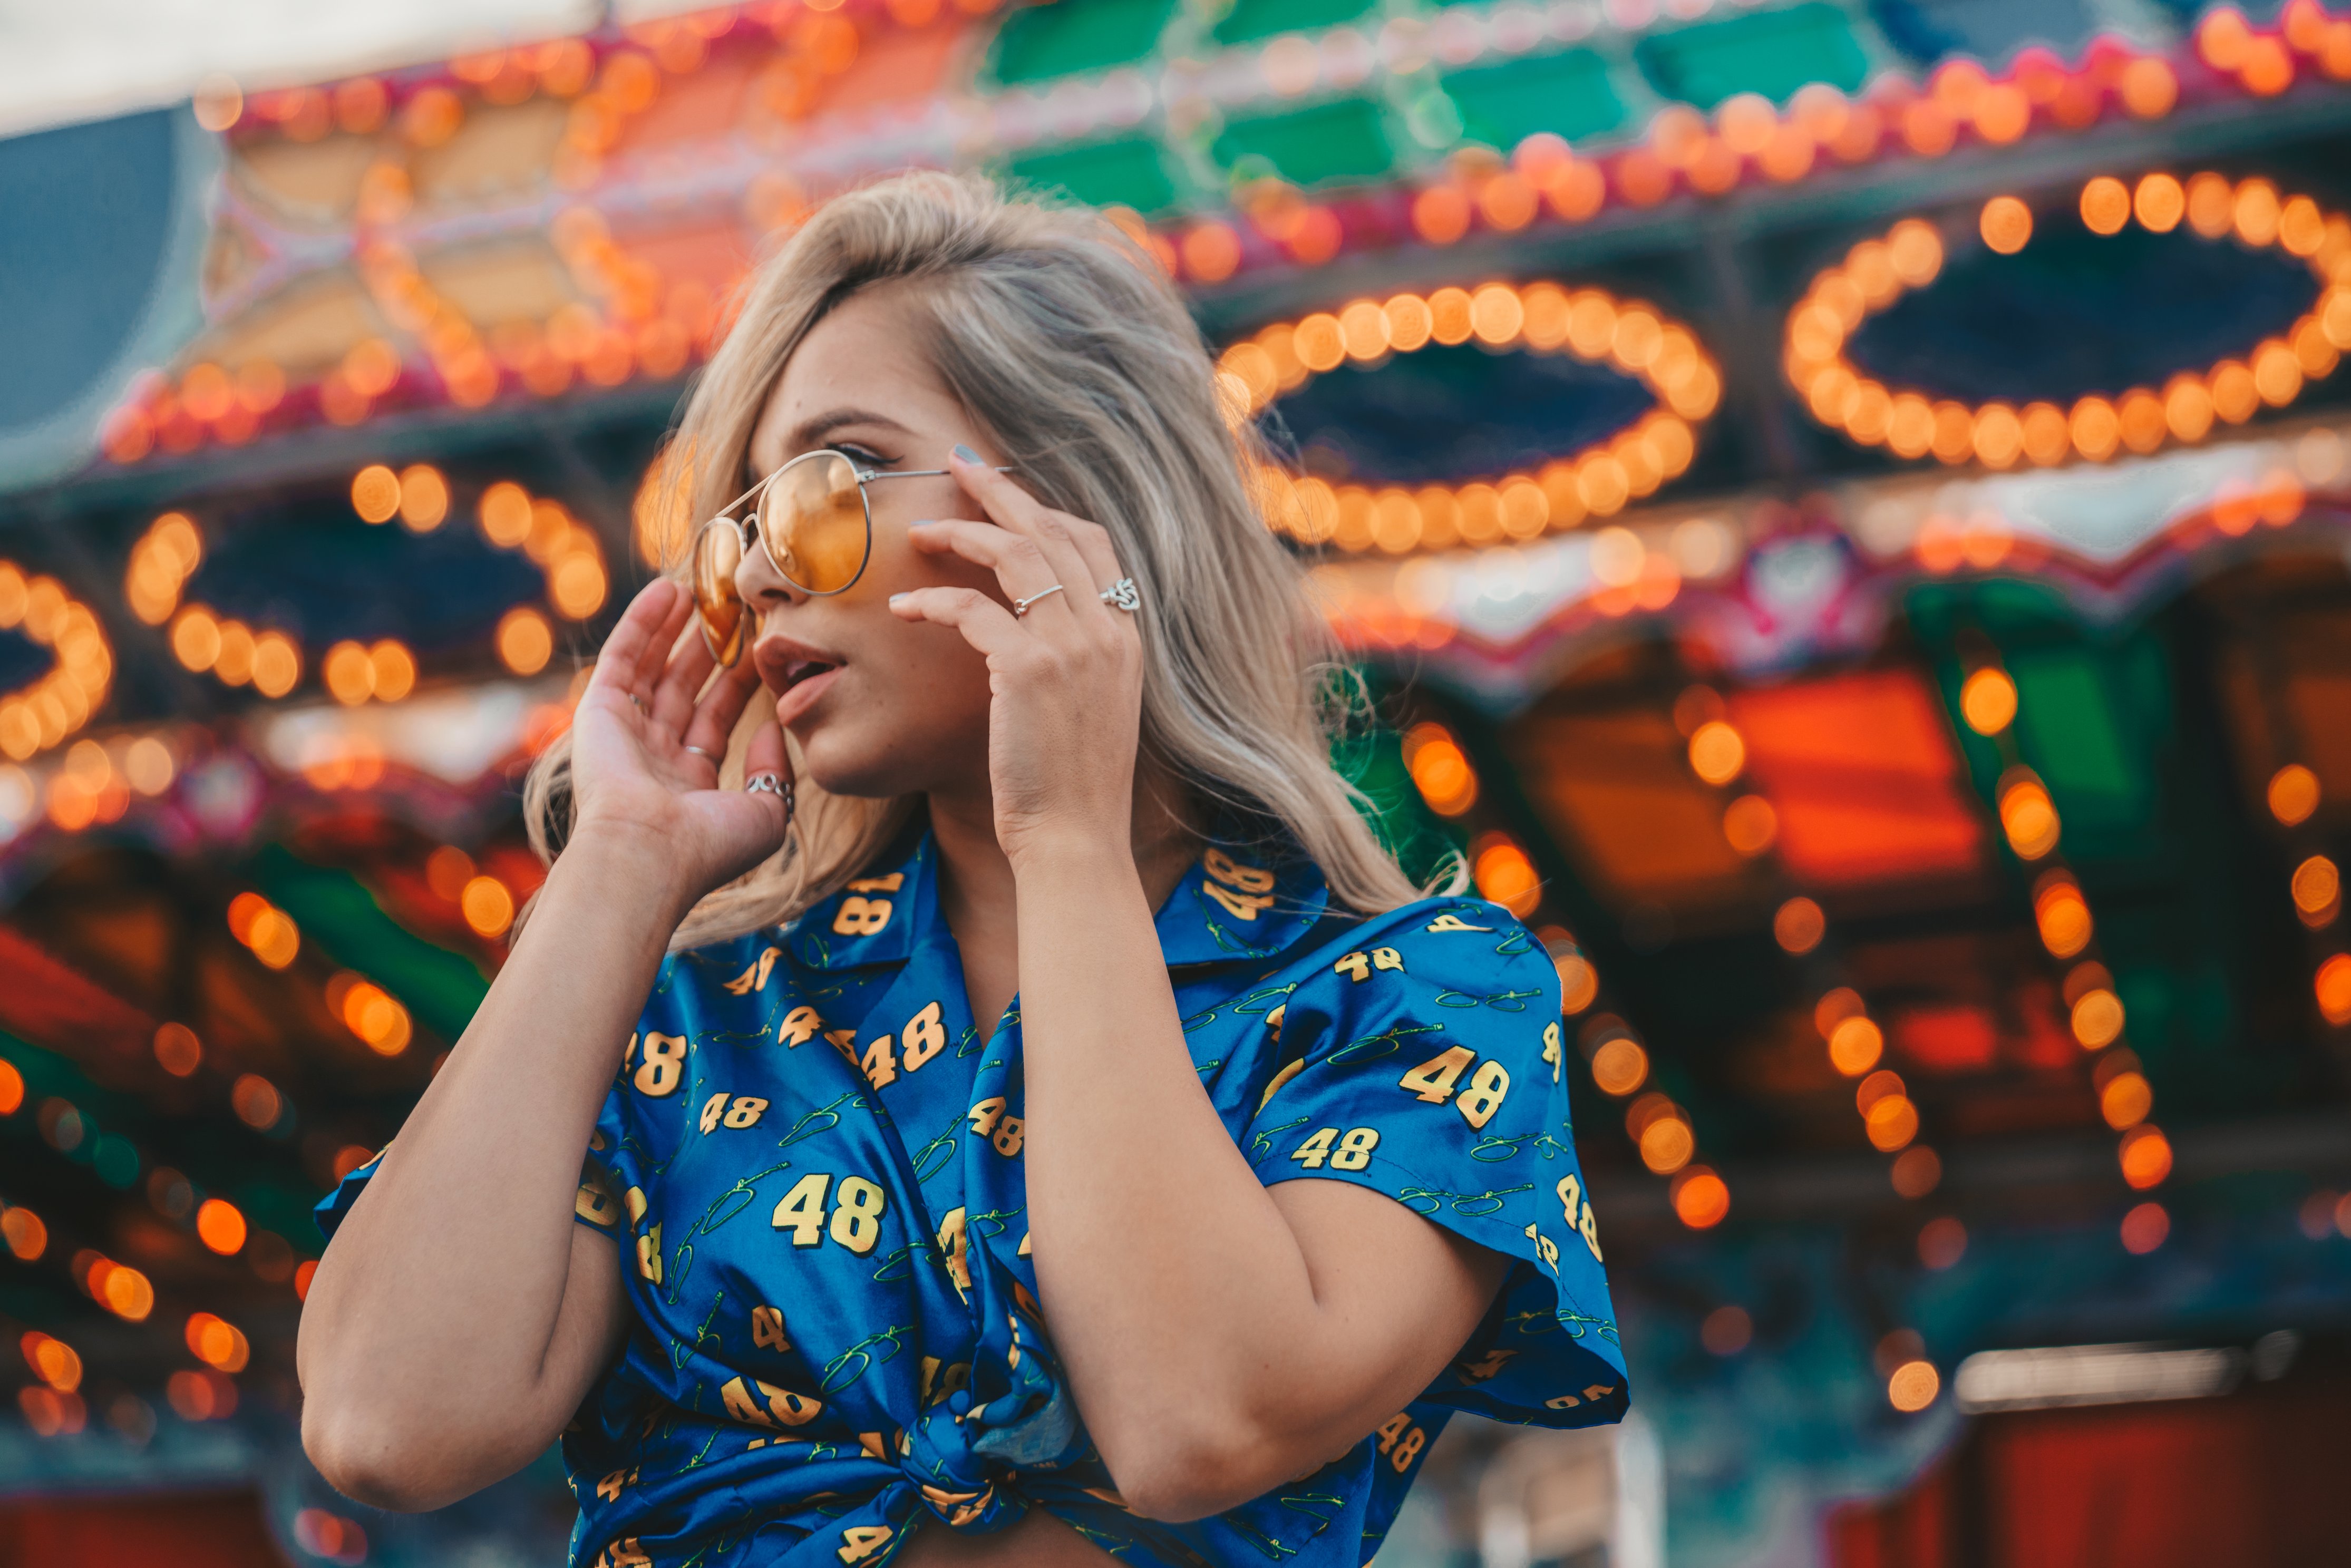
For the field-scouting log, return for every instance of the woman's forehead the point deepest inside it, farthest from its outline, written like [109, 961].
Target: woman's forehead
[864, 358]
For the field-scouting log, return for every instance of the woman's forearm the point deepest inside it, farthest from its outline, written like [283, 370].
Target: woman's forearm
[437, 1345]
[1179, 1296]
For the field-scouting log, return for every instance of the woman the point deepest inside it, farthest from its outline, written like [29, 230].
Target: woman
[874, 1259]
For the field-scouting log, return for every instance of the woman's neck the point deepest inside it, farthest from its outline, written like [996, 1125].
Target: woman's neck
[978, 894]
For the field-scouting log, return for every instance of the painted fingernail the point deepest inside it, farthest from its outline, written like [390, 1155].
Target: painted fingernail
[900, 598]
[965, 454]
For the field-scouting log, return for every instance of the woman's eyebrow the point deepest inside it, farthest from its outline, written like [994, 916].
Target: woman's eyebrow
[812, 433]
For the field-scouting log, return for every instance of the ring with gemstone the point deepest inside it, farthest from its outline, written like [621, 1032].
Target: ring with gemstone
[1122, 594]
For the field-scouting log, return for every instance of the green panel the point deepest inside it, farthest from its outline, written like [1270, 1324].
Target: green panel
[1342, 140]
[1419, 839]
[333, 910]
[2067, 725]
[1063, 37]
[1772, 52]
[1252, 19]
[1568, 94]
[2091, 743]
[1131, 171]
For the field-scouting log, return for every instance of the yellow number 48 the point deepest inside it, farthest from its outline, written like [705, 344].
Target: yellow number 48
[1354, 1152]
[856, 1217]
[1433, 1082]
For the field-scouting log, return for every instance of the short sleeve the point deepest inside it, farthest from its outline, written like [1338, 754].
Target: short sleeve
[596, 1205]
[1422, 1058]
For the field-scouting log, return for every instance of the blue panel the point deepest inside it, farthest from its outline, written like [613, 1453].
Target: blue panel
[87, 212]
[1448, 414]
[22, 662]
[2073, 313]
[322, 575]
[1991, 30]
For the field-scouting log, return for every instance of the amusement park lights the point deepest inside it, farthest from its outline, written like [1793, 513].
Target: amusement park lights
[35, 717]
[1440, 769]
[1544, 317]
[1660, 1130]
[1912, 423]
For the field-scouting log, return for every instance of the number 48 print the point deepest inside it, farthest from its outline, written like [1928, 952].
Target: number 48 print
[856, 1218]
[1433, 1080]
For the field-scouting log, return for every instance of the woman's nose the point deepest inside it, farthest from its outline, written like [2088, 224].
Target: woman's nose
[757, 581]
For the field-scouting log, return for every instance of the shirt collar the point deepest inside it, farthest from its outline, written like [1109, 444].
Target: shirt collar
[1230, 905]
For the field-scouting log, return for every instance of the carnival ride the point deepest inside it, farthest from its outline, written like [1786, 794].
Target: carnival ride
[1844, 506]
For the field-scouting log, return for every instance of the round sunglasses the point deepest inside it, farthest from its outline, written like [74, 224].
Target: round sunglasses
[814, 520]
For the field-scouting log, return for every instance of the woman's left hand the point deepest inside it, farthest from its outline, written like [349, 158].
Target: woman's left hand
[1067, 677]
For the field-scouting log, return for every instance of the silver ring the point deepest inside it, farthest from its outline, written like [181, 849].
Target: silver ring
[769, 784]
[703, 754]
[1122, 595]
[1020, 606]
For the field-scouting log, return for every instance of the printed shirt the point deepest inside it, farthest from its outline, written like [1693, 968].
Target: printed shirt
[810, 1162]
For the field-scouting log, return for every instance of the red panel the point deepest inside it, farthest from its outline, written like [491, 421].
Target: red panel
[2173, 1485]
[1912, 1529]
[1947, 1038]
[1861, 769]
[51, 1005]
[217, 1530]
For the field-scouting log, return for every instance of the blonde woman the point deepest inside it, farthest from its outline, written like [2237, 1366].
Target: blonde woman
[1027, 1118]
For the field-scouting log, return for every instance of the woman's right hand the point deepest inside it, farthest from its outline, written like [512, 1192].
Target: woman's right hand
[634, 777]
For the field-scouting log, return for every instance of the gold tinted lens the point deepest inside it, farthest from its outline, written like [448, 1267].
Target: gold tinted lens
[812, 519]
[717, 551]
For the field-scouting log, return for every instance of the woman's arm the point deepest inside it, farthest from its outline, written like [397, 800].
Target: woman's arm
[1221, 1336]
[459, 1315]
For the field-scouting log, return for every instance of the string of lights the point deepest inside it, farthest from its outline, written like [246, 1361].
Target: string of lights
[1660, 1129]
[2068, 932]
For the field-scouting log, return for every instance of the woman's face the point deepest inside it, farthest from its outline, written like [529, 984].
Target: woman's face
[879, 707]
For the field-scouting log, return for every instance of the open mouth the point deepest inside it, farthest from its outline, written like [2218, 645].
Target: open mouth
[801, 670]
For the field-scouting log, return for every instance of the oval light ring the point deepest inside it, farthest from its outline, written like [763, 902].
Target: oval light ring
[1630, 337]
[60, 701]
[1913, 423]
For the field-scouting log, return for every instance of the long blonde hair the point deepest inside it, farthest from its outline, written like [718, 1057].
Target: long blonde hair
[1074, 352]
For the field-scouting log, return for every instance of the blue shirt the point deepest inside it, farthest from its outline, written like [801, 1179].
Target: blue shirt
[810, 1162]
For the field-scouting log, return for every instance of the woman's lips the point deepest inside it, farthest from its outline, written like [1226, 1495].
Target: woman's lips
[808, 680]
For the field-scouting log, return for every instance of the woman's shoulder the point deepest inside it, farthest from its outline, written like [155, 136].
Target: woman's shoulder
[1448, 933]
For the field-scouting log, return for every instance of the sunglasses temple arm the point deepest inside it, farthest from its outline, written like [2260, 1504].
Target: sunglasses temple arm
[921, 473]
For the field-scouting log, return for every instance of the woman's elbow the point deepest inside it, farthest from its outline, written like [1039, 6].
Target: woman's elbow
[1174, 1477]
[394, 1462]
[364, 1459]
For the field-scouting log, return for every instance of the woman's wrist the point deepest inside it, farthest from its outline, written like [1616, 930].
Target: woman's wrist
[605, 857]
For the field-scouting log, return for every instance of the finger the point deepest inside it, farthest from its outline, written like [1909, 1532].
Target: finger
[1016, 510]
[721, 705]
[985, 624]
[655, 657]
[1018, 561]
[638, 628]
[1092, 541]
[690, 665]
[767, 754]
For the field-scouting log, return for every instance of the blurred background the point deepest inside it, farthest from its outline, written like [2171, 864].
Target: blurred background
[1843, 506]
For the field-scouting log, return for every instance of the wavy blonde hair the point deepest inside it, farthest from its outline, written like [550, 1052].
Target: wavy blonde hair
[1072, 349]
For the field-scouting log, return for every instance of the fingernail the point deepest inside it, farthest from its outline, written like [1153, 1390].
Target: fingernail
[899, 598]
[965, 454]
